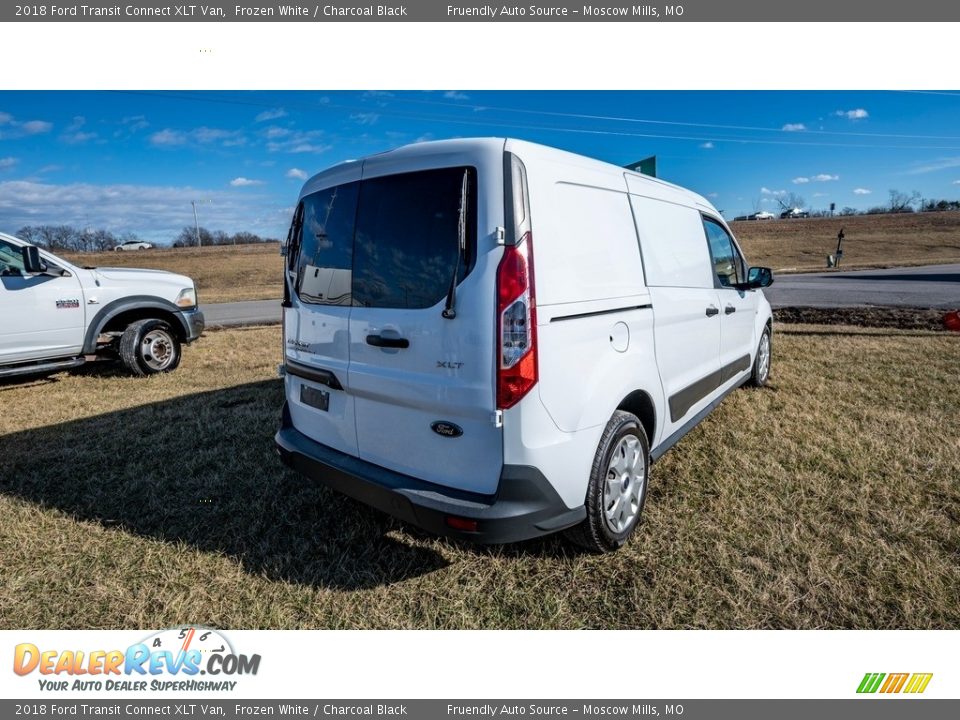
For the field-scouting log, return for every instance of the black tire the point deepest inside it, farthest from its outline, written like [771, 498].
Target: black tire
[595, 533]
[141, 345]
[761, 371]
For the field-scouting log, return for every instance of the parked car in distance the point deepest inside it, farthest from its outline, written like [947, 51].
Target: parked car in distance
[792, 213]
[133, 245]
[763, 215]
[494, 340]
[56, 315]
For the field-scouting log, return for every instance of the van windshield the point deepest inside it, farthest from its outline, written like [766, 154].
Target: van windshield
[387, 242]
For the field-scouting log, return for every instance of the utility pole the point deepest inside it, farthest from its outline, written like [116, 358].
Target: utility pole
[196, 222]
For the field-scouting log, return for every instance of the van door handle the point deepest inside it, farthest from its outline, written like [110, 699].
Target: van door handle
[387, 342]
[711, 311]
[729, 310]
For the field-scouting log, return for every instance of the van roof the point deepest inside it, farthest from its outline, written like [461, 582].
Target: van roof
[522, 148]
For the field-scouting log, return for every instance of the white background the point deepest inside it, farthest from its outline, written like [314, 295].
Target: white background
[638, 664]
[541, 664]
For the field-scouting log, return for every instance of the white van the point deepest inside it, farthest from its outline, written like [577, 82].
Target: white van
[493, 339]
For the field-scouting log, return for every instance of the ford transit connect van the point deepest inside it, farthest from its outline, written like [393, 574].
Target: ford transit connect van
[493, 340]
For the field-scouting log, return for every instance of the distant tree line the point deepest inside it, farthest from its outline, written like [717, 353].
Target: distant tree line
[66, 238]
[188, 238]
[71, 239]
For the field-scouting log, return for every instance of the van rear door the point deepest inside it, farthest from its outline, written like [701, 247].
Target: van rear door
[316, 321]
[424, 384]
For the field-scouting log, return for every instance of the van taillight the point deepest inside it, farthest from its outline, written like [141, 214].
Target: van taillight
[516, 324]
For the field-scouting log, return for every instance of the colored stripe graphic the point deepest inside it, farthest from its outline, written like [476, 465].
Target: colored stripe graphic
[918, 682]
[870, 682]
[894, 682]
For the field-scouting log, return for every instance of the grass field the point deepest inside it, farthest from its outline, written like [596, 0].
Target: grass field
[223, 273]
[870, 241]
[253, 272]
[829, 499]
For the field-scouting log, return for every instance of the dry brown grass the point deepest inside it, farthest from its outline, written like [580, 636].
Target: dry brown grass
[829, 499]
[870, 241]
[254, 272]
[224, 273]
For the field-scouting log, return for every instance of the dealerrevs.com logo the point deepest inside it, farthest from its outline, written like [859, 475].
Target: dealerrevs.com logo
[171, 660]
[910, 683]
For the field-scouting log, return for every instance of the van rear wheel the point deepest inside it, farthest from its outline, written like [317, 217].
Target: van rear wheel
[618, 486]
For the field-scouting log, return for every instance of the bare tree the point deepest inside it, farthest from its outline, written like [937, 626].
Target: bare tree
[901, 202]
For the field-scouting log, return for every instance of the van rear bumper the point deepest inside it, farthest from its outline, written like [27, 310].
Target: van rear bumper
[525, 505]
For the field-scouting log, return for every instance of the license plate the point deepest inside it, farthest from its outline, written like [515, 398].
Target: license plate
[314, 398]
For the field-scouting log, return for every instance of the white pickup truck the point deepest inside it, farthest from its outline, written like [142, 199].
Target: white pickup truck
[55, 316]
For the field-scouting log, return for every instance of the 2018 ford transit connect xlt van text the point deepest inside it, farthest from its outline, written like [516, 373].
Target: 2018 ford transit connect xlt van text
[493, 339]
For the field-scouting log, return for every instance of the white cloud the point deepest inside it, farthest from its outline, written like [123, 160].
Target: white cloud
[244, 182]
[198, 136]
[713, 195]
[297, 174]
[35, 127]
[794, 127]
[8, 162]
[272, 114]
[857, 114]
[934, 165]
[73, 134]
[168, 137]
[707, 146]
[800, 180]
[821, 194]
[455, 95]
[135, 122]
[861, 191]
[10, 127]
[297, 142]
[365, 118]
[78, 138]
[825, 177]
[955, 182]
[775, 193]
[273, 132]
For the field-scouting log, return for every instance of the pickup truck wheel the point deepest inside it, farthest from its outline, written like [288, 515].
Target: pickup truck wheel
[149, 346]
[618, 485]
[761, 363]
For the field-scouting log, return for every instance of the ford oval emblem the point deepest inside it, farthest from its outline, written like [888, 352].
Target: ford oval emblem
[447, 429]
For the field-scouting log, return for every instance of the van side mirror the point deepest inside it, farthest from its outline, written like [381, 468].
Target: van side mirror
[32, 263]
[759, 277]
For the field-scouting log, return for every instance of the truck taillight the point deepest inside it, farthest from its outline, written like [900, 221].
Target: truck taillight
[516, 324]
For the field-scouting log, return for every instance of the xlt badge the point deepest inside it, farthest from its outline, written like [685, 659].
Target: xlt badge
[449, 365]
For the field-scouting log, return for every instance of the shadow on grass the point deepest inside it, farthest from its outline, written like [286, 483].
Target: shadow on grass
[201, 470]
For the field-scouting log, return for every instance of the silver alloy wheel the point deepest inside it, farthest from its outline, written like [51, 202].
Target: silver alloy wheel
[158, 349]
[763, 361]
[623, 488]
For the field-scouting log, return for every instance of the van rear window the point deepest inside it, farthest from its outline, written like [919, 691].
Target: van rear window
[387, 242]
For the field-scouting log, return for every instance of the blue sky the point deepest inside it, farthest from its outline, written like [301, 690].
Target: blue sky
[133, 161]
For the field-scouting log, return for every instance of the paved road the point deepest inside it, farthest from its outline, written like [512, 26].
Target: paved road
[250, 312]
[930, 286]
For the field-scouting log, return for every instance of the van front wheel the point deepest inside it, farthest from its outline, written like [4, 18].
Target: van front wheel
[618, 485]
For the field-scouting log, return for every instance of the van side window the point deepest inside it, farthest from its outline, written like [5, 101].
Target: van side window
[325, 242]
[407, 237]
[727, 262]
